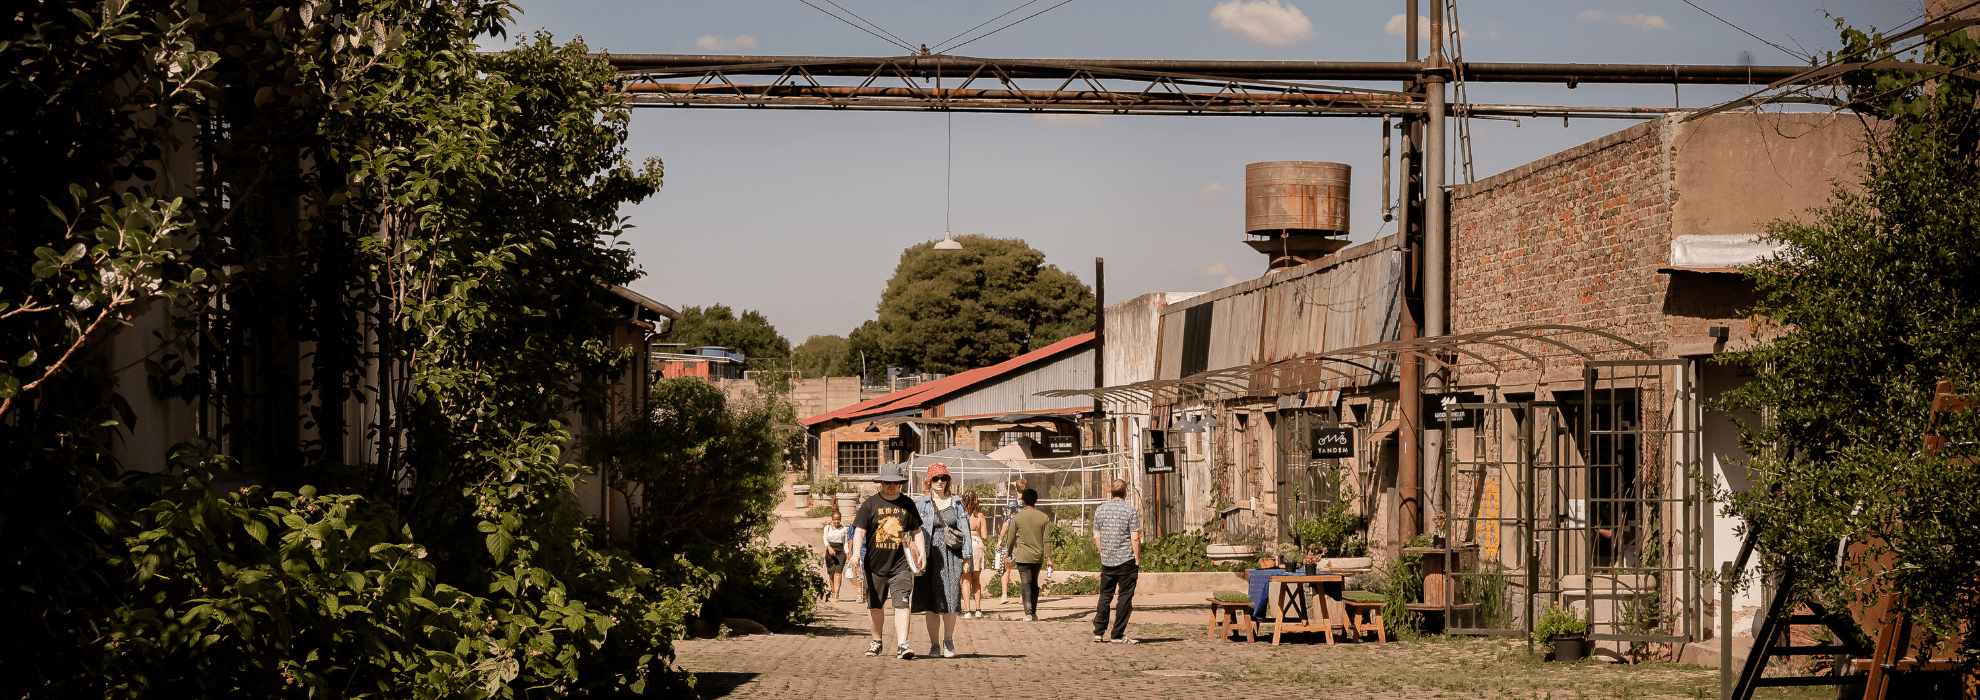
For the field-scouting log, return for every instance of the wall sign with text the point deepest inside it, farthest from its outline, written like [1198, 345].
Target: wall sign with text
[1333, 443]
[1163, 462]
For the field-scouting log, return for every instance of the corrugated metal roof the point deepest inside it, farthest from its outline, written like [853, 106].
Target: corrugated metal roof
[925, 394]
[642, 300]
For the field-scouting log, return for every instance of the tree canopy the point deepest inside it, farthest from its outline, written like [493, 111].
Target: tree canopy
[824, 356]
[1877, 299]
[750, 333]
[954, 310]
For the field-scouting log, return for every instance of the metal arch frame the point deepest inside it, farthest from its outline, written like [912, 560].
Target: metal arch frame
[1221, 380]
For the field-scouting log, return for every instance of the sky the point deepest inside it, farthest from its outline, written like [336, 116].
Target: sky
[803, 215]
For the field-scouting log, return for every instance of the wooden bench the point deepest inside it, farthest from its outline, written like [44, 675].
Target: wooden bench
[1224, 620]
[1363, 615]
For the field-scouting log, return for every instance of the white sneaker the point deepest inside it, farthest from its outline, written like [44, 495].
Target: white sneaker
[1127, 640]
[1097, 639]
[1029, 618]
[948, 648]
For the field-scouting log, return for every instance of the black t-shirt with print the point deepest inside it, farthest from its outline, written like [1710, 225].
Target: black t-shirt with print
[889, 525]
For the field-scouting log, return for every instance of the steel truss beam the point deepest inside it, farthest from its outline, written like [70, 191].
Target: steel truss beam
[962, 84]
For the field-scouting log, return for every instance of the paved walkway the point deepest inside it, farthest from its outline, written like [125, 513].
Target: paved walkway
[1055, 658]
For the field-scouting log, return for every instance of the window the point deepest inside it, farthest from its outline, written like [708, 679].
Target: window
[935, 438]
[859, 457]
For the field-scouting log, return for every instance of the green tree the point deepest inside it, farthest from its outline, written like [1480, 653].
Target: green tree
[749, 333]
[949, 311]
[1876, 299]
[824, 356]
[371, 259]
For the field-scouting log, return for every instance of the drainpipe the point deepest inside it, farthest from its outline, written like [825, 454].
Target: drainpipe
[1436, 246]
[1409, 462]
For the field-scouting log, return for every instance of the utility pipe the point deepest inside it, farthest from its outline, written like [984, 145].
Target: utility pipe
[920, 66]
[1409, 462]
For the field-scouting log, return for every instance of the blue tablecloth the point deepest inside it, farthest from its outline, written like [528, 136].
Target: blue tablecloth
[1261, 590]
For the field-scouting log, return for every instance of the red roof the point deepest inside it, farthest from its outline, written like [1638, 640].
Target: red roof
[924, 394]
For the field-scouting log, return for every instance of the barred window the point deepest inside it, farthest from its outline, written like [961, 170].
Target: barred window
[859, 457]
[935, 438]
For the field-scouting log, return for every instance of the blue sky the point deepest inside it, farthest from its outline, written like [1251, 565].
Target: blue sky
[803, 215]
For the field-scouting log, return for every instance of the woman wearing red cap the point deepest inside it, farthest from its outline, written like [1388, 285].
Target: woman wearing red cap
[945, 527]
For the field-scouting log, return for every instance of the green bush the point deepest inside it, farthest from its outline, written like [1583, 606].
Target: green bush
[1327, 535]
[1073, 551]
[819, 512]
[1557, 621]
[777, 585]
[1182, 551]
[1402, 584]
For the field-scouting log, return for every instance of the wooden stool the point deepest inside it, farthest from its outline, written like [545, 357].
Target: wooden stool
[1224, 620]
[1362, 615]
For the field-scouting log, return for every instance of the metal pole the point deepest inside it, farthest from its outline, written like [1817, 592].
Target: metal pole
[1435, 242]
[1099, 341]
[1409, 460]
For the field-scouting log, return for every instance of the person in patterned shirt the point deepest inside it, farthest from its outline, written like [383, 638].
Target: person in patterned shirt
[1117, 534]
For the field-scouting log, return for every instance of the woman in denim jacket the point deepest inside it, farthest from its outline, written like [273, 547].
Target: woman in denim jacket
[938, 590]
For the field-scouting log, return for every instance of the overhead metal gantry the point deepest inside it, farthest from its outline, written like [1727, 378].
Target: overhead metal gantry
[1250, 88]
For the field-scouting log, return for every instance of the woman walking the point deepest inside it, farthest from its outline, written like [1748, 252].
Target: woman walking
[979, 528]
[1024, 544]
[835, 553]
[938, 590]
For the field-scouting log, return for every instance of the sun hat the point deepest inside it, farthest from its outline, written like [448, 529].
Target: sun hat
[934, 470]
[894, 473]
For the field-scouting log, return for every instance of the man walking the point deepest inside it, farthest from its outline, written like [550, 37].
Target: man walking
[1117, 534]
[889, 527]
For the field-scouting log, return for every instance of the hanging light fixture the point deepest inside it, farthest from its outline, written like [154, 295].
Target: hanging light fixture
[1210, 421]
[948, 241]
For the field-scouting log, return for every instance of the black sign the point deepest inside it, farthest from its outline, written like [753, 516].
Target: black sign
[1062, 444]
[1333, 443]
[895, 444]
[1444, 410]
[1159, 462]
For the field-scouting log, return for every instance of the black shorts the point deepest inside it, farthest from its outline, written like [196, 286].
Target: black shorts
[897, 586]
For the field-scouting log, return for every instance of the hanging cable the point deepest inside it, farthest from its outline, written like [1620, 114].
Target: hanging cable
[848, 22]
[870, 23]
[1783, 49]
[1008, 26]
[938, 47]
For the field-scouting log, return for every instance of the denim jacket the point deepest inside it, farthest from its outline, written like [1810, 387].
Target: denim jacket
[926, 504]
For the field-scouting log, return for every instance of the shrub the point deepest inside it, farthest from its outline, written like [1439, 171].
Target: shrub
[1073, 551]
[819, 512]
[777, 585]
[1557, 621]
[1402, 584]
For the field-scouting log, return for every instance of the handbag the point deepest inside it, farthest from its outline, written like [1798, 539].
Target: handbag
[951, 537]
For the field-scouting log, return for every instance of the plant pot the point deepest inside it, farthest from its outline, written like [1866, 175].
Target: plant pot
[802, 501]
[1437, 542]
[804, 489]
[1569, 648]
[1230, 552]
[847, 503]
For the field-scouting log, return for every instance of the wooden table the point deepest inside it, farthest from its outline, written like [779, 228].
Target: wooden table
[1289, 588]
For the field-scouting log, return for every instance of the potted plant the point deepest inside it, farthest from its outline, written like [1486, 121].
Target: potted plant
[1562, 633]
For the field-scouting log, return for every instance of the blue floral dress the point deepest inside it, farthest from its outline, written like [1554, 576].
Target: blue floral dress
[939, 589]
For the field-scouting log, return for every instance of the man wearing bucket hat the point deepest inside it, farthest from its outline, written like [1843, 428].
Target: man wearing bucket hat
[889, 527]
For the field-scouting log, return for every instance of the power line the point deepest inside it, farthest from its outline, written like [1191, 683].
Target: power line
[938, 47]
[870, 23]
[1013, 24]
[848, 22]
[1751, 34]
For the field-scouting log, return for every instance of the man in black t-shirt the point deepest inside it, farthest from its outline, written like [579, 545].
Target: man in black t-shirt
[889, 527]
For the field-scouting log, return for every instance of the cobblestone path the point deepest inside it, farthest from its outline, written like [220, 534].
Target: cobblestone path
[1002, 658]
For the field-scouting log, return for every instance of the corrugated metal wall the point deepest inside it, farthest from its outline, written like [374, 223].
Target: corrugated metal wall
[1357, 301]
[1017, 392]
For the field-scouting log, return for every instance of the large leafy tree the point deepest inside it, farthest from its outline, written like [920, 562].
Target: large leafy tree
[371, 258]
[824, 356]
[1877, 299]
[949, 311]
[749, 333]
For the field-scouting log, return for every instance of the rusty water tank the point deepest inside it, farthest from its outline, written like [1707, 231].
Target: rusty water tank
[1297, 197]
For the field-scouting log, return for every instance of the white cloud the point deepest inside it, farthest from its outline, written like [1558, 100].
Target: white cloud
[1214, 270]
[1399, 25]
[1643, 22]
[1264, 21]
[1069, 119]
[1592, 14]
[716, 43]
[1213, 188]
[1229, 280]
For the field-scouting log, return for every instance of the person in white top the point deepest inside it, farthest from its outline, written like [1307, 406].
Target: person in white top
[835, 553]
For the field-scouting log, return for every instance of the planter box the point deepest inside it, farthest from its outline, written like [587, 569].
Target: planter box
[801, 501]
[1205, 582]
[1230, 552]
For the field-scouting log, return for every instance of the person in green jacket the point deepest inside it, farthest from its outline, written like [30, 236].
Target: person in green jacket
[1027, 549]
